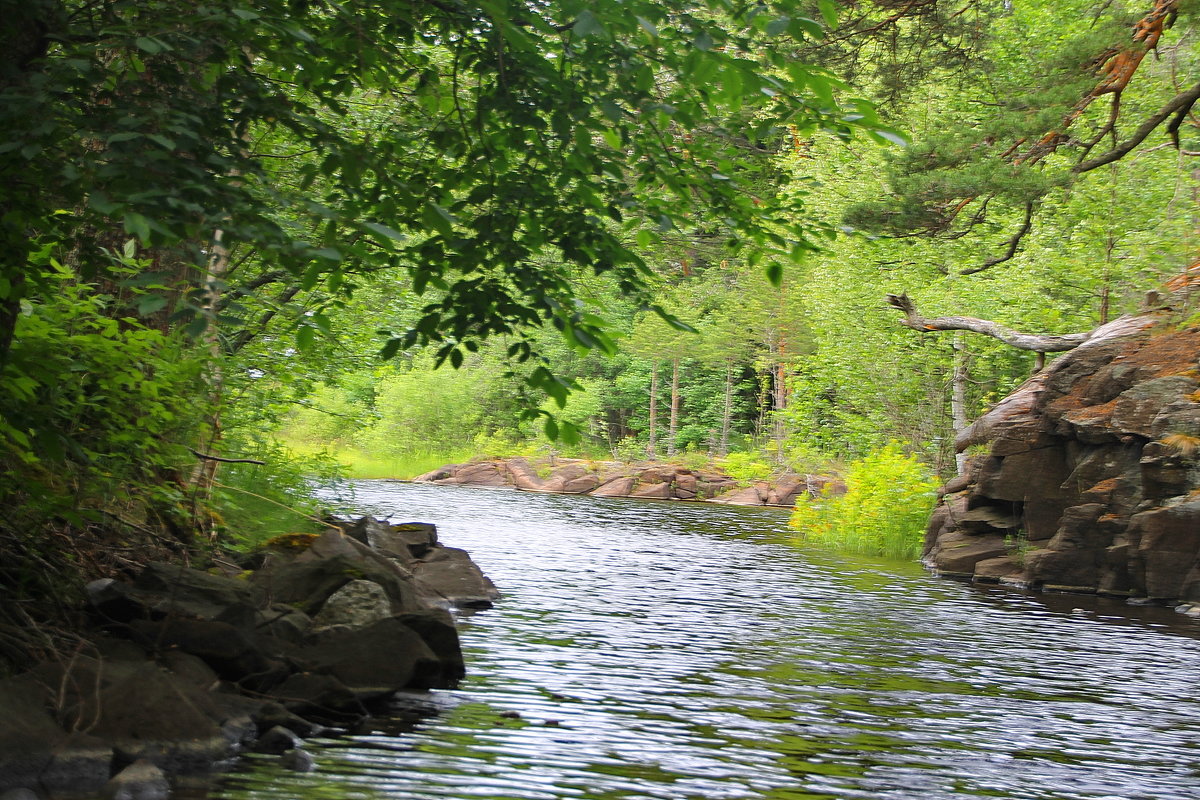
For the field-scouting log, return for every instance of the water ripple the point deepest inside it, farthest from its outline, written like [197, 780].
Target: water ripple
[675, 651]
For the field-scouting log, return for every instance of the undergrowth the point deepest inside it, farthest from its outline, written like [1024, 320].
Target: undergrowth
[888, 499]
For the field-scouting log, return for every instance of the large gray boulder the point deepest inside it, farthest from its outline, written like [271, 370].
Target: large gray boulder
[451, 574]
[377, 660]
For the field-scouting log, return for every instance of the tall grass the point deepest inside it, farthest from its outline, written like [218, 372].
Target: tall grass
[883, 513]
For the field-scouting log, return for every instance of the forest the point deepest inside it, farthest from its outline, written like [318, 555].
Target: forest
[252, 245]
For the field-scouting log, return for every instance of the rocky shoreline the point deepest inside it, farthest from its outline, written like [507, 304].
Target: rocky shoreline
[182, 670]
[643, 480]
[1090, 479]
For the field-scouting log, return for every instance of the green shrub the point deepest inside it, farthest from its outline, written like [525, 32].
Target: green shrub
[745, 468]
[888, 499]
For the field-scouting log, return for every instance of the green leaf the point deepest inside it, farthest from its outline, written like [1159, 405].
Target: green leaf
[703, 41]
[137, 225]
[305, 337]
[390, 348]
[439, 219]
[648, 26]
[383, 230]
[150, 45]
[587, 24]
[150, 303]
[889, 136]
[774, 273]
[829, 12]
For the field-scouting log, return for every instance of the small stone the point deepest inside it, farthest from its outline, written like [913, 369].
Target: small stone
[298, 760]
[141, 780]
[277, 740]
[510, 714]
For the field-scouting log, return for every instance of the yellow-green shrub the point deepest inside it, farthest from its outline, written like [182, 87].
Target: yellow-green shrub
[888, 498]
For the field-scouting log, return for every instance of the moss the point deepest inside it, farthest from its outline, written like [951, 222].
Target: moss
[291, 541]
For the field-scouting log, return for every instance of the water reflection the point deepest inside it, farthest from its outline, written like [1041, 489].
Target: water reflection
[659, 650]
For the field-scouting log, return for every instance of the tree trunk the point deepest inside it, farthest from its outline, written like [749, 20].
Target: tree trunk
[674, 430]
[958, 396]
[652, 445]
[205, 473]
[779, 400]
[727, 411]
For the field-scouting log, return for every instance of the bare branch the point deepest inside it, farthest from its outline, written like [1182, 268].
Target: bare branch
[1038, 343]
[223, 460]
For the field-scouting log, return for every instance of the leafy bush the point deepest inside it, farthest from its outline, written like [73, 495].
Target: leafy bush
[888, 499]
[745, 468]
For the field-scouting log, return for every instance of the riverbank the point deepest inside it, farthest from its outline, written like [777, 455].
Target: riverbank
[648, 480]
[1090, 479]
[179, 670]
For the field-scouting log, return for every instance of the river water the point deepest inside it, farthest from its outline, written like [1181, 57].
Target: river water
[679, 650]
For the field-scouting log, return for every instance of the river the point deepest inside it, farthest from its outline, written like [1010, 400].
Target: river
[682, 650]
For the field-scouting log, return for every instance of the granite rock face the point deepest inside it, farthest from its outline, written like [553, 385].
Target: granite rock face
[1091, 474]
[648, 481]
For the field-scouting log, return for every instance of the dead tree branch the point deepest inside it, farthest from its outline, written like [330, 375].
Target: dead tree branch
[1037, 342]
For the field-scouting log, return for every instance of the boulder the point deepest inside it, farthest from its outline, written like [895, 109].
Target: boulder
[486, 473]
[1064, 570]
[581, 485]
[311, 694]
[567, 474]
[957, 553]
[1080, 462]
[1136, 409]
[276, 740]
[298, 760]
[143, 711]
[381, 537]
[749, 496]
[270, 714]
[652, 491]
[307, 580]
[994, 570]
[162, 590]
[1167, 542]
[141, 780]
[617, 487]
[522, 475]
[376, 660]
[229, 651]
[36, 751]
[355, 605]
[451, 574]
[437, 629]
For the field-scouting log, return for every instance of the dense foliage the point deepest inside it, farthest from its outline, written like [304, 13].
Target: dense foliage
[883, 512]
[228, 222]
